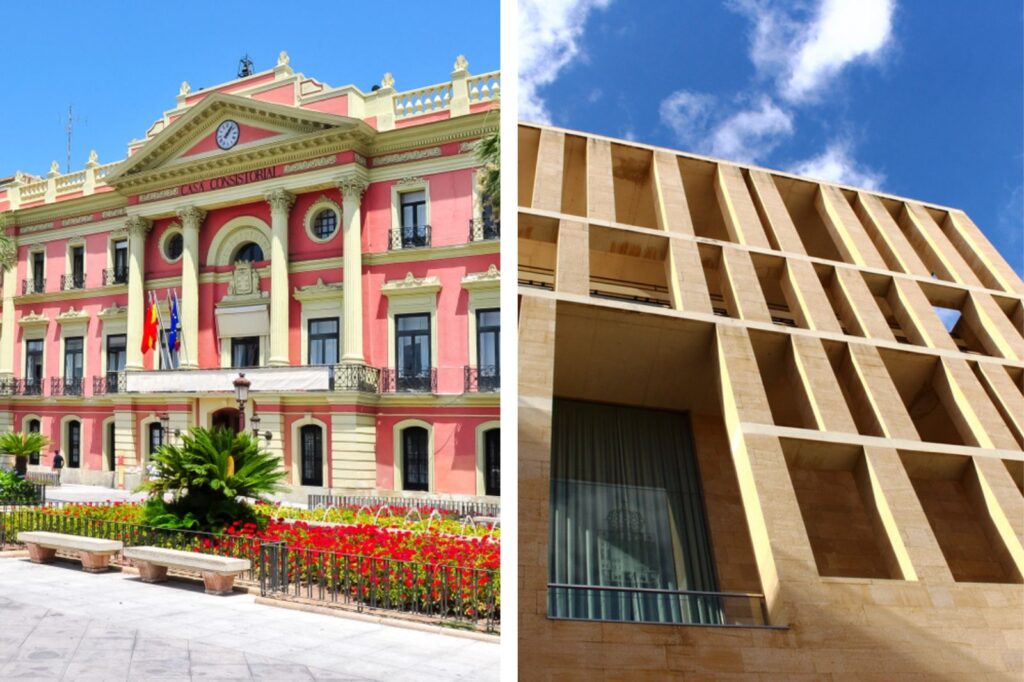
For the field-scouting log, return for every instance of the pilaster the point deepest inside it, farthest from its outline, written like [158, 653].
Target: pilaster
[353, 450]
[137, 227]
[280, 205]
[191, 219]
[352, 184]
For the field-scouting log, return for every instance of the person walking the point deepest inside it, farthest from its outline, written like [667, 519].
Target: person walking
[58, 464]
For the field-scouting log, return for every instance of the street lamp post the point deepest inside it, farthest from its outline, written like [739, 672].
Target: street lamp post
[255, 422]
[242, 396]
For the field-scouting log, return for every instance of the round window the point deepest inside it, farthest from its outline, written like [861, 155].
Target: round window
[325, 224]
[173, 246]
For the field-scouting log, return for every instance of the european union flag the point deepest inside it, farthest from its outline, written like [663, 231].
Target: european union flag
[173, 340]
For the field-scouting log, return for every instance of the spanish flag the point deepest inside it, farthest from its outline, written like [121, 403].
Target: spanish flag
[149, 328]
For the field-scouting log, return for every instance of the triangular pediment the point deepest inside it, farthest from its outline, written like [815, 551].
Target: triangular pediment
[191, 140]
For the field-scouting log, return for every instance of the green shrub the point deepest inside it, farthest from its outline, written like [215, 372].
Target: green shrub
[14, 488]
[207, 477]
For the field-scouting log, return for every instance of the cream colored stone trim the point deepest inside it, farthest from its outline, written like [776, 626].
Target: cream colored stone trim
[484, 290]
[64, 440]
[397, 446]
[406, 185]
[233, 234]
[409, 296]
[296, 449]
[320, 301]
[321, 204]
[104, 459]
[172, 229]
[32, 322]
[481, 429]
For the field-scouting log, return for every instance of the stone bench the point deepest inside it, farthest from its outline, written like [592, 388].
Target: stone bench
[218, 572]
[95, 553]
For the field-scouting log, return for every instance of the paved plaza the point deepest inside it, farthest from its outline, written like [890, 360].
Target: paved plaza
[58, 623]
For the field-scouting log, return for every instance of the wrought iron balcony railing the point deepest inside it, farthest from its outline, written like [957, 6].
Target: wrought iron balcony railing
[353, 377]
[66, 385]
[409, 237]
[33, 285]
[486, 379]
[69, 282]
[113, 276]
[112, 382]
[403, 381]
[481, 229]
[26, 387]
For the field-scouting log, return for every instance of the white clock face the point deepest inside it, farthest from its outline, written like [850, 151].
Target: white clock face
[227, 134]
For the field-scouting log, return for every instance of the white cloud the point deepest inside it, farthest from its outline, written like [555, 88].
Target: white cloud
[806, 53]
[746, 135]
[836, 164]
[549, 39]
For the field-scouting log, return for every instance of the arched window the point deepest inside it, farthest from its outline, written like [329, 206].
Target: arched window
[492, 462]
[311, 440]
[415, 459]
[33, 427]
[156, 437]
[111, 459]
[74, 444]
[249, 252]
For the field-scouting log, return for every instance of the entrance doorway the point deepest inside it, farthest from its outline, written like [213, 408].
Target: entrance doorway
[225, 418]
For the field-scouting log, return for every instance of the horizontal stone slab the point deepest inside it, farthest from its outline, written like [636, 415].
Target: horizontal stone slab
[70, 542]
[188, 561]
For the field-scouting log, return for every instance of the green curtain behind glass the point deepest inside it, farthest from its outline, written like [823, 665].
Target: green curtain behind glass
[627, 512]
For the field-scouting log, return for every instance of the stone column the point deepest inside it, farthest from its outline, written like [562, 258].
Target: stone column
[8, 329]
[191, 219]
[352, 185]
[137, 227]
[280, 204]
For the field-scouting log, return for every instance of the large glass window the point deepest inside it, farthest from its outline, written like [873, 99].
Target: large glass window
[415, 459]
[33, 366]
[77, 267]
[628, 537]
[74, 358]
[120, 261]
[412, 352]
[323, 341]
[312, 441]
[156, 437]
[488, 340]
[38, 271]
[116, 356]
[74, 445]
[245, 351]
[414, 219]
[492, 462]
[33, 427]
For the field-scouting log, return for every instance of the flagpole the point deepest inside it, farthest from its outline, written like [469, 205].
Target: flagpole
[184, 346]
[160, 335]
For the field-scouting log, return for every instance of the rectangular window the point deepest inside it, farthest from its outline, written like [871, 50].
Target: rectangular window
[38, 271]
[415, 231]
[323, 341]
[245, 351]
[120, 261]
[156, 437]
[171, 352]
[488, 345]
[33, 366]
[74, 358]
[628, 536]
[412, 352]
[78, 266]
[116, 355]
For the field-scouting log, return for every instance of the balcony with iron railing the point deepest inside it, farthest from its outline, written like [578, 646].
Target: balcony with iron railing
[110, 383]
[482, 229]
[23, 387]
[72, 281]
[410, 237]
[404, 381]
[485, 379]
[115, 276]
[355, 377]
[66, 386]
[33, 285]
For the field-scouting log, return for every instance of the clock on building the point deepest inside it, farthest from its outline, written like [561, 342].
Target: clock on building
[227, 134]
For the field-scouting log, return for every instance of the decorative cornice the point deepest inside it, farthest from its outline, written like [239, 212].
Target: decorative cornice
[34, 319]
[411, 180]
[280, 200]
[402, 157]
[482, 280]
[72, 316]
[320, 291]
[114, 312]
[411, 286]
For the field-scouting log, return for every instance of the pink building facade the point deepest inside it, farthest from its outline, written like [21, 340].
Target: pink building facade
[331, 244]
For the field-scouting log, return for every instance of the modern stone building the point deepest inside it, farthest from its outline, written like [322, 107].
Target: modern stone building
[331, 243]
[769, 427]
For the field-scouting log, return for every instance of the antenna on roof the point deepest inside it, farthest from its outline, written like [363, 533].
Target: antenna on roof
[244, 66]
[69, 128]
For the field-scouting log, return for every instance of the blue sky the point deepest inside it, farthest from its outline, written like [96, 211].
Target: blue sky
[121, 63]
[919, 99]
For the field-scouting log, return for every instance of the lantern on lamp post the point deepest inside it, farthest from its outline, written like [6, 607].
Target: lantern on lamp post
[242, 396]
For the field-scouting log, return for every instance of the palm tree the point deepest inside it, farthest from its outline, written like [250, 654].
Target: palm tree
[22, 445]
[489, 154]
[207, 477]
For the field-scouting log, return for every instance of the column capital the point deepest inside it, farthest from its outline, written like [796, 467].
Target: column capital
[138, 226]
[353, 183]
[191, 216]
[279, 199]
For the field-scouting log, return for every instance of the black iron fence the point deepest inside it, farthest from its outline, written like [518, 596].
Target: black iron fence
[406, 381]
[460, 507]
[111, 382]
[410, 237]
[26, 387]
[354, 377]
[431, 590]
[66, 385]
[72, 281]
[33, 285]
[37, 496]
[481, 229]
[112, 276]
[482, 379]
